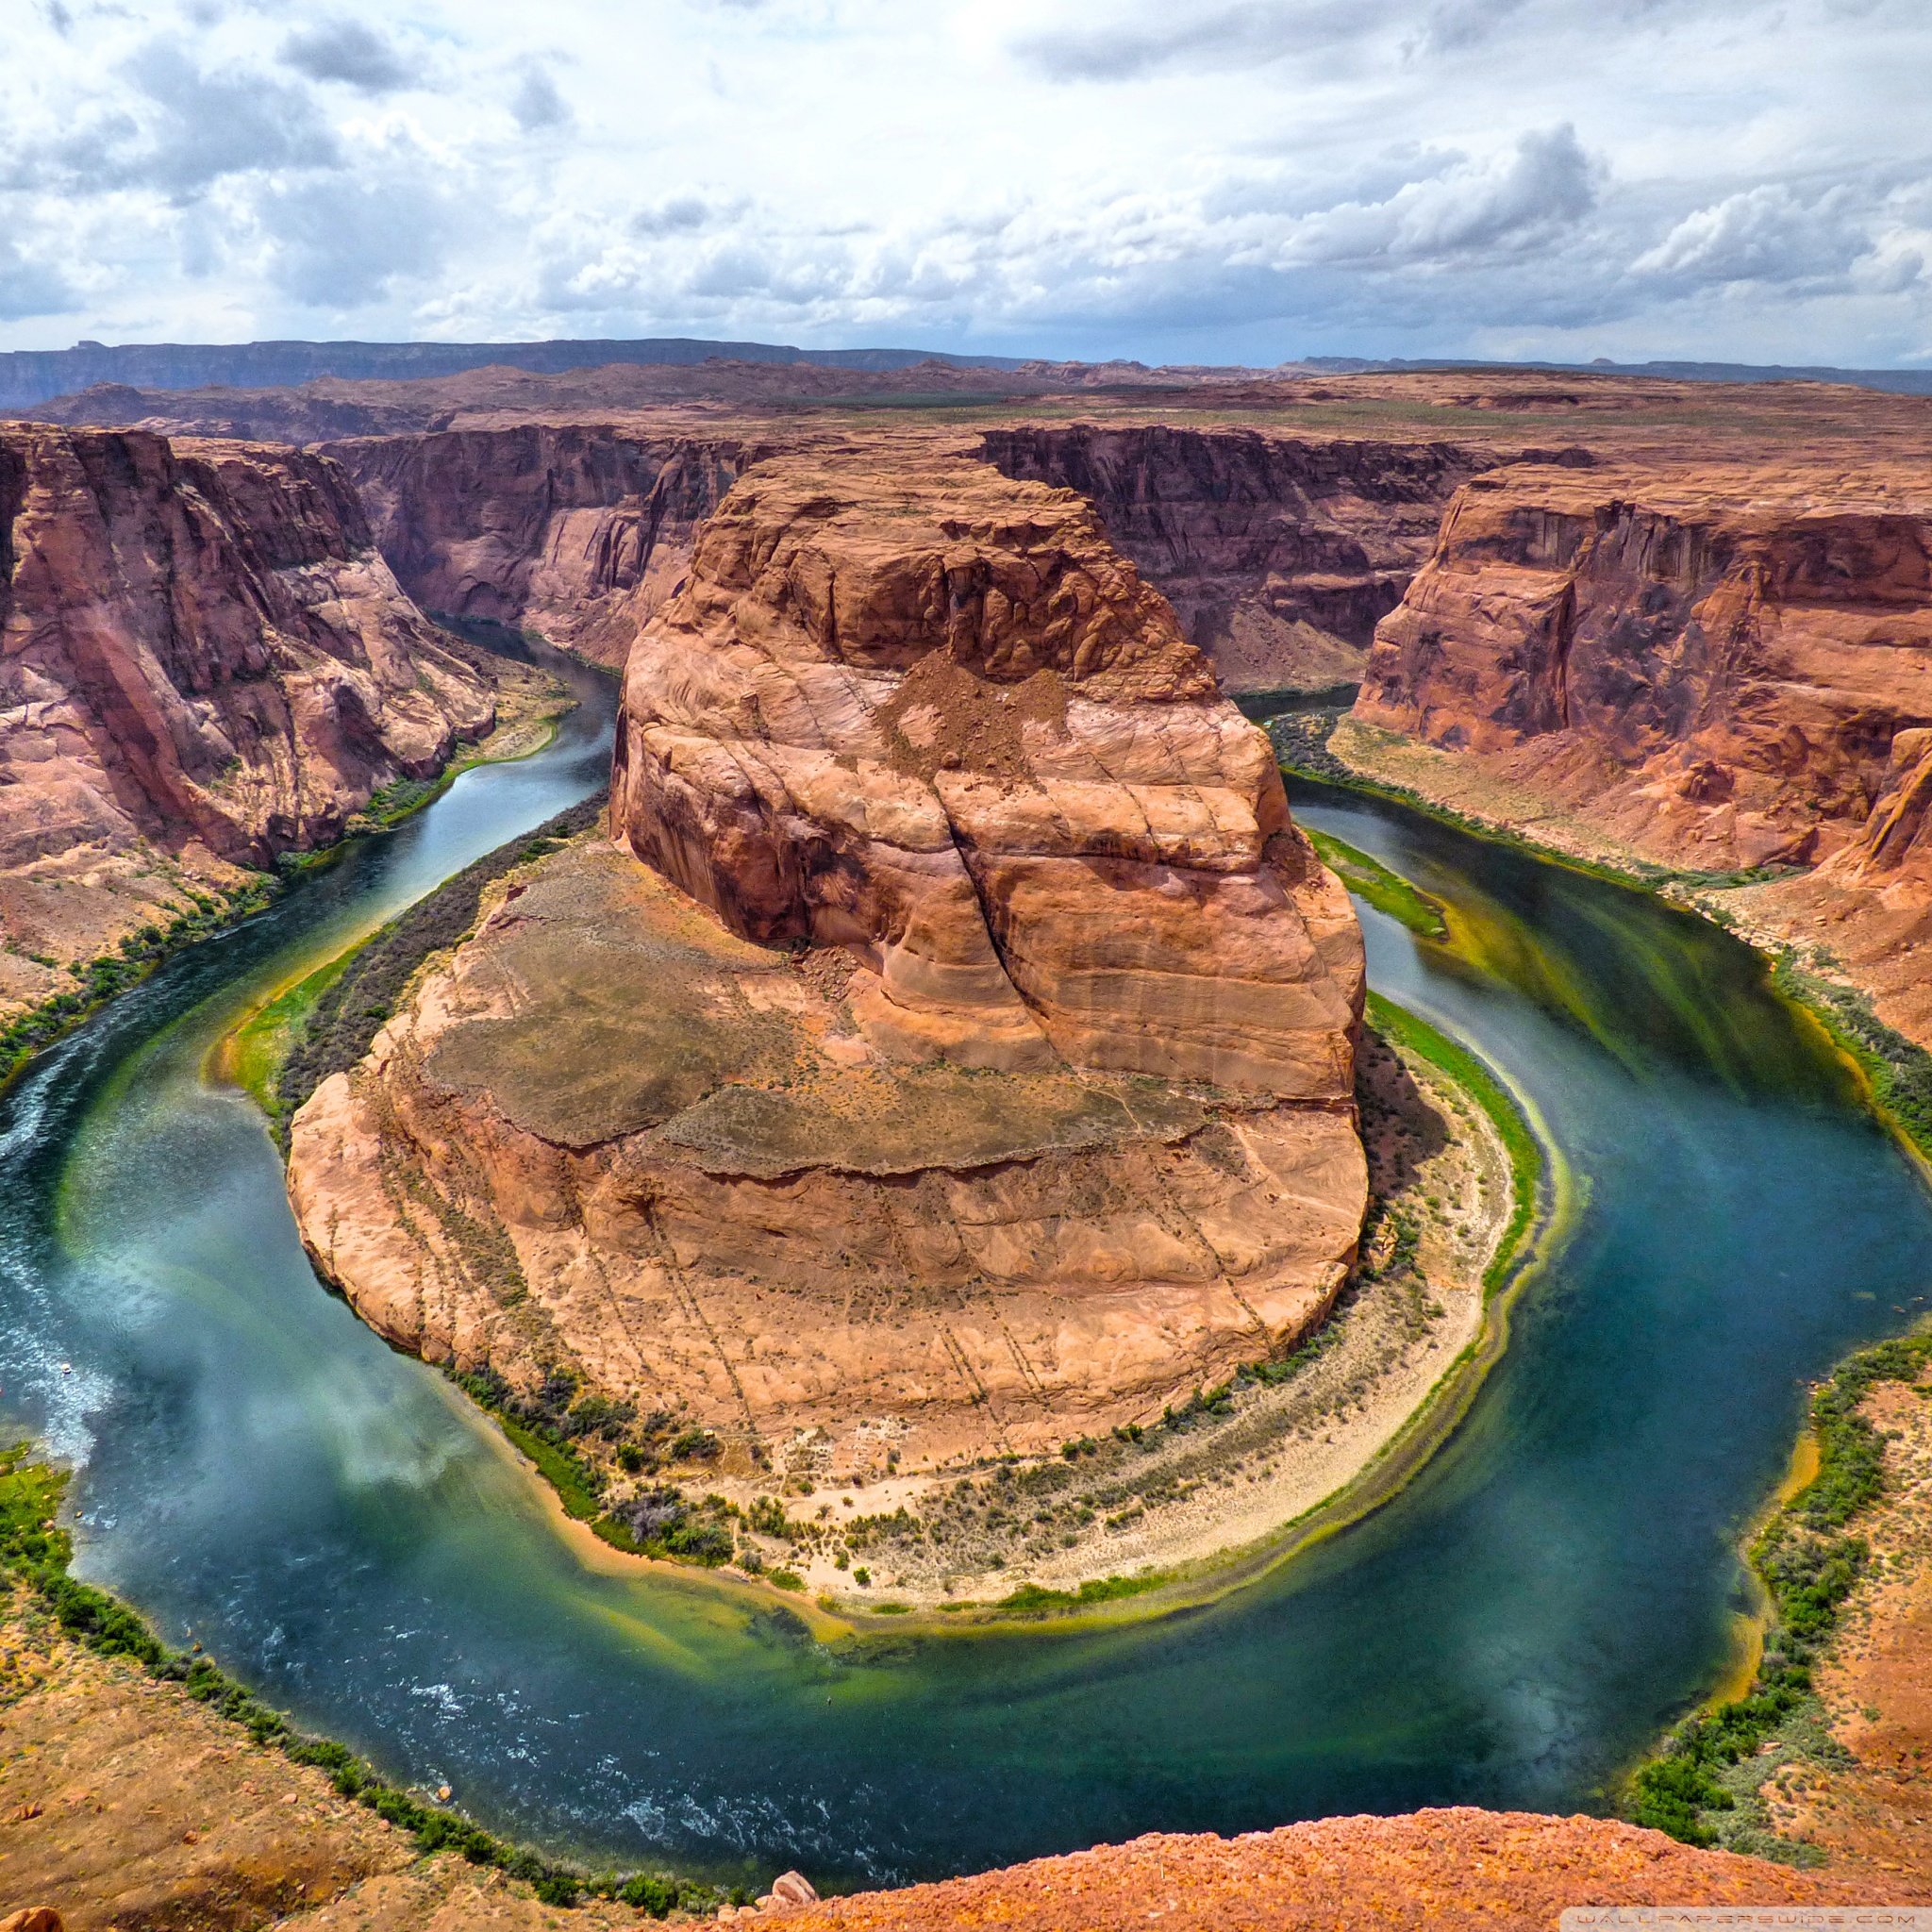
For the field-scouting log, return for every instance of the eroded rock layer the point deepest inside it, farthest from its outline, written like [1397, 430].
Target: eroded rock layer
[580, 531]
[967, 1066]
[1279, 553]
[932, 715]
[1453, 1869]
[1734, 666]
[201, 655]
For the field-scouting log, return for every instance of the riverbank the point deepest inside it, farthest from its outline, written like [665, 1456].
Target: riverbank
[1333, 748]
[190, 908]
[1823, 1751]
[1230, 1484]
[1814, 1746]
[143, 1779]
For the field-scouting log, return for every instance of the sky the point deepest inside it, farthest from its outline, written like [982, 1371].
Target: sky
[1172, 180]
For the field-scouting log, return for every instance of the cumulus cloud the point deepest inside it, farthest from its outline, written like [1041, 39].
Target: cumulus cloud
[1769, 233]
[195, 126]
[1513, 201]
[29, 288]
[348, 51]
[1199, 179]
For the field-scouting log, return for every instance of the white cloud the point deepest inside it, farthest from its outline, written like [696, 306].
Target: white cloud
[1194, 179]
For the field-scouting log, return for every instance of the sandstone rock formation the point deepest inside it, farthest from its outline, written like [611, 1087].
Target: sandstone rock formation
[578, 530]
[203, 661]
[1462, 1869]
[1734, 666]
[1014, 1102]
[1279, 553]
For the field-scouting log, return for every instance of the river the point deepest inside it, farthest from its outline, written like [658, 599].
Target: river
[259, 1472]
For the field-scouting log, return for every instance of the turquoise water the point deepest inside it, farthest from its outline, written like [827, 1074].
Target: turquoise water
[262, 1474]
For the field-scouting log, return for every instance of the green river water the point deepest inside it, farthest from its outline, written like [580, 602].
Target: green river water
[259, 1472]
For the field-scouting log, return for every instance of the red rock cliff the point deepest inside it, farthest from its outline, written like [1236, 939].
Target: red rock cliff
[580, 531]
[200, 652]
[1015, 1102]
[1278, 553]
[932, 715]
[1735, 667]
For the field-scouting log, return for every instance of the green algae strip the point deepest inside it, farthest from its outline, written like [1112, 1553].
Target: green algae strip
[1702, 1786]
[36, 1553]
[1526, 1163]
[253, 1054]
[1386, 890]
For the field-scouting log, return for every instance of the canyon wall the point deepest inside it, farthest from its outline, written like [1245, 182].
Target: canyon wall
[1734, 668]
[579, 531]
[1279, 553]
[203, 662]
[968, 1065]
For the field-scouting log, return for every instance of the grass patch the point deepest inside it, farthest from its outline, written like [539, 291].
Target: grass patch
[1810, 1561]
[35, 1552]
[1403, 1028]
[255, 1050]
[1386, 891]
[1898, 1071]
[1099, 1589]
[346, 1012]
[98, 980]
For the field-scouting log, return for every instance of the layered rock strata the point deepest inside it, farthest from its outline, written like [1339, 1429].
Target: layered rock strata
[579, 531]
[204, 661]
[1733, 667]
[967, 1066]
[1279, 553]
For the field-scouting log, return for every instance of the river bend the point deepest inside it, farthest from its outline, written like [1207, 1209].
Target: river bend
[263, 1474]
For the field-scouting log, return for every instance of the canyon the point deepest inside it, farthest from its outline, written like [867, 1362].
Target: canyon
[949, 1051]
[1725, 669]
[203, 662]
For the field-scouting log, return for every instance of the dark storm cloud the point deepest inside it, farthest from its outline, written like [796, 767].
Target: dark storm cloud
[349, 52]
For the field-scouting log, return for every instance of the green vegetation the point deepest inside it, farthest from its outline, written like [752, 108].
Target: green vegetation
[1101, 1589]
[548, 1425]
[255, 1050]
[1702, 1786]
[341, 1012]
[35, 1554]
[98, 980]
[1397, 1023]
[1898, 1072]
[1386, 891]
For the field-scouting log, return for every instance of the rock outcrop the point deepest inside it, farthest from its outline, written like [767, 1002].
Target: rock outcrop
[1279, 553]
[1445, 1870]
[934, 716]
[1732, 667]
[580, 531]
[203, 661]
[968, 1065]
